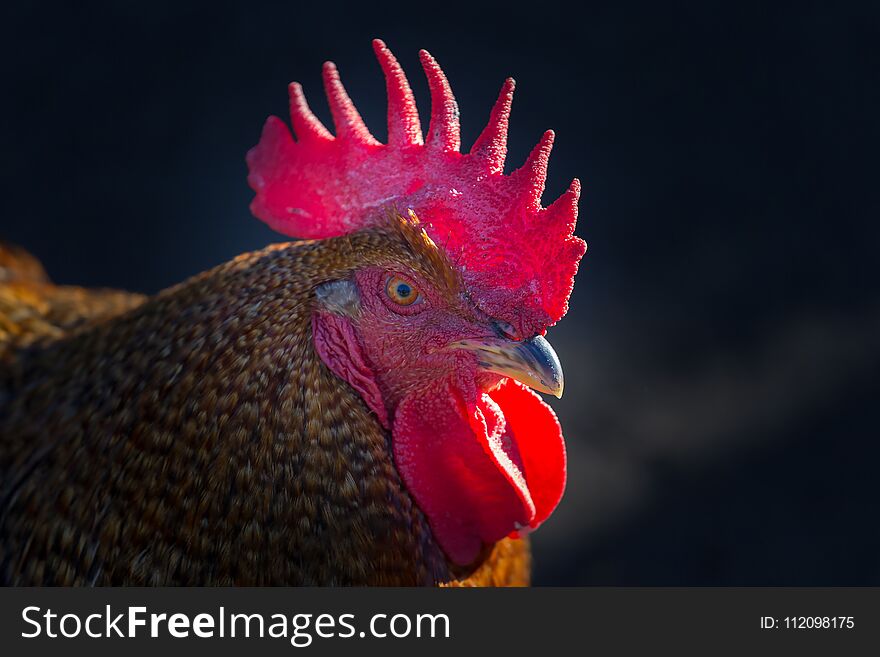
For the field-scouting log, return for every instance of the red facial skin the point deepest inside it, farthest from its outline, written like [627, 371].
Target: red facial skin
[482, 455]
[407, 344]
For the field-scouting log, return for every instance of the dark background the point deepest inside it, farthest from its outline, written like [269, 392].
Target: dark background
[722, 350]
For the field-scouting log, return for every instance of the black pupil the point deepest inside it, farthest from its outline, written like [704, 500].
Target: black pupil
[403, 290]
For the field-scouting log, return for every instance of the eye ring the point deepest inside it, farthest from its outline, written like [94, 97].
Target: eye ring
[401, 292]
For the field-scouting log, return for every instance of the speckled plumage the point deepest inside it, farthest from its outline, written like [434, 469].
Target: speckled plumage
[197, 438]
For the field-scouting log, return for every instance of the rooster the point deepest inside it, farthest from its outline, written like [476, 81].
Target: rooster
[353, 409]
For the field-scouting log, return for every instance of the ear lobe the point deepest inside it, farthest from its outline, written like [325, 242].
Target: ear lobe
[339, 348]
[339, 297]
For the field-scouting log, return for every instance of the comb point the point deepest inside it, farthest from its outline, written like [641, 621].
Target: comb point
[444, 131]
[532, 175]
[305, 124]
[346, 118]
[564, 210]
[404, 127]
[491, 145]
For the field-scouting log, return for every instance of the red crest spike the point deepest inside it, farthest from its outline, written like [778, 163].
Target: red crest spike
[491, 145]
[305, 124]
[533, 172]
[346, 119]
[444, 131]
[404, 128]
[517, 258]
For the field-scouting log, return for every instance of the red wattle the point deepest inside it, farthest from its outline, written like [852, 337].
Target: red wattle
[538, 435]
[479, 469]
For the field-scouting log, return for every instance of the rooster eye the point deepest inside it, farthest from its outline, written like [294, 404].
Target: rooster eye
[401, 292]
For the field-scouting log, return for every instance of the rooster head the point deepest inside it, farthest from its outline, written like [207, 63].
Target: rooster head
[445, 342]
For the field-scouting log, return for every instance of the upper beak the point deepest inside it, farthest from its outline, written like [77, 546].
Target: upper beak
[532, 362]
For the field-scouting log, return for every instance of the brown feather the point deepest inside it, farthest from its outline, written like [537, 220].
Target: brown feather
[197, 438]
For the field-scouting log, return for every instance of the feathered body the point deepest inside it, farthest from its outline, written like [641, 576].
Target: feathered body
[213, 449]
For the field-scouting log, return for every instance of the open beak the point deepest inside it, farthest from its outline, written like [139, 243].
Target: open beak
[532, 362]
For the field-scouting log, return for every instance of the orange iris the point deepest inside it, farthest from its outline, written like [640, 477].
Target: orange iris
[401, 292]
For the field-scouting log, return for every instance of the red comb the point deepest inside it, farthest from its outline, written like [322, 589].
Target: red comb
[517, 258]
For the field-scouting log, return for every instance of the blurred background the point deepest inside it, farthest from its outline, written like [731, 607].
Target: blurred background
[722, 350]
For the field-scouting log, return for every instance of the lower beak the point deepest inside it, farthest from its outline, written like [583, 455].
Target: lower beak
[532, 362]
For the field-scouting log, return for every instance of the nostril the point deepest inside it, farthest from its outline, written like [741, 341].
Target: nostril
[506, 330]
